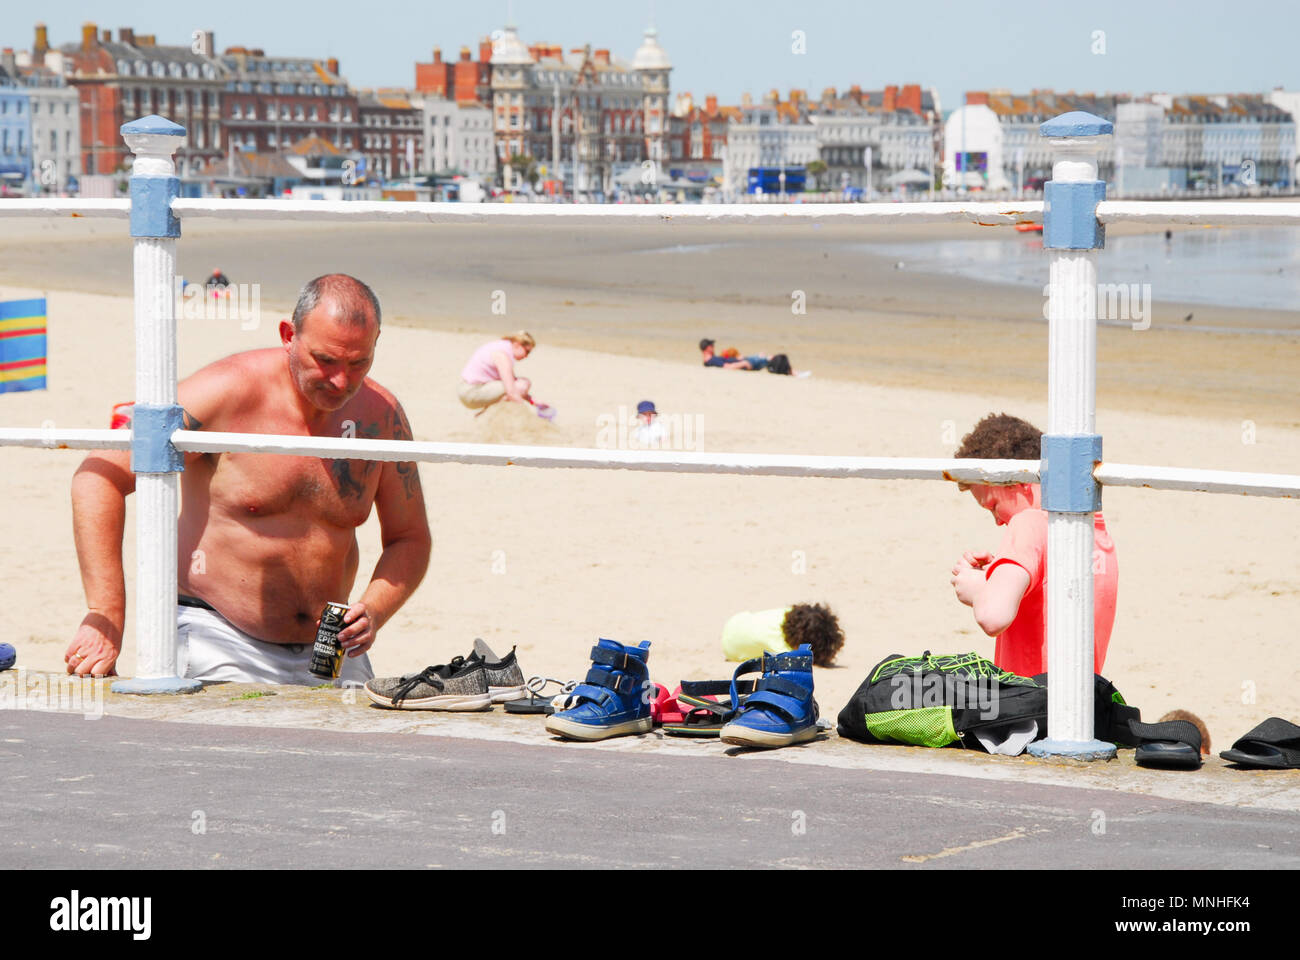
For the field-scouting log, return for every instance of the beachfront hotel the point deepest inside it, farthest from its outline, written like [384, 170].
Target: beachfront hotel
[1163, 143]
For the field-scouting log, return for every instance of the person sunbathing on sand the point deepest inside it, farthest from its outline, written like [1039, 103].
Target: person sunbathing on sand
[489, 376]
[777, 363]
[267, 540]
[1007, 590]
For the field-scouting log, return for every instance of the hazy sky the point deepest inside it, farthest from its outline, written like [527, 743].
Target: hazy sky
[729, 46]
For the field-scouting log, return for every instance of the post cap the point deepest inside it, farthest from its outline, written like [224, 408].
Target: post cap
[153, 124]
[1076, 123]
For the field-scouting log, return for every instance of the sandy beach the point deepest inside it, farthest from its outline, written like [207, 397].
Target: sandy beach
[549, 560]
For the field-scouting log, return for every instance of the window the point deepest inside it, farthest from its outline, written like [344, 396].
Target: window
[298, 113]
[54, 141]
[158, 69]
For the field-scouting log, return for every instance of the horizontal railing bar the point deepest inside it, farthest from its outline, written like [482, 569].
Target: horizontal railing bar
[993, 472]
[1207, 212]
[1199, 481]
[381, 211]
[65, 207]
[52, 439]
[762, 464]
[1227, 213]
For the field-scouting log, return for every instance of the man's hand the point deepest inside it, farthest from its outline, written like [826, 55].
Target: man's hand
[359, 634]
[977, 560]
[93, 652]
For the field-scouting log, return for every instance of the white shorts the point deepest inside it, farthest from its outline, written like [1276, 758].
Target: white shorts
[214, 649]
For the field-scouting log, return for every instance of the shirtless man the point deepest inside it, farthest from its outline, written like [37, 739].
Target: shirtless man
[265, 539]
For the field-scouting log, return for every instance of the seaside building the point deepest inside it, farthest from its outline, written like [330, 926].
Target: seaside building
[391, 134]
[587, 116]
[15, 134]
[1221, 138]
[458, 138]
[464, 81]
[893, 128]
[768, 134]
[1161, 143]
[133, 77]
[55, 123]
[697, 139]
[271, 102]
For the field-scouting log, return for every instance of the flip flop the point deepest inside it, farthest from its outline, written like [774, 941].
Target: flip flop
[536, 702]
[1172, 745]
[1274, 744]
[705, 714]
[665, 708]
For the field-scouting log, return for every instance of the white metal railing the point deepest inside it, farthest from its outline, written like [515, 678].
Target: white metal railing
[948, 469]
[1071, 375]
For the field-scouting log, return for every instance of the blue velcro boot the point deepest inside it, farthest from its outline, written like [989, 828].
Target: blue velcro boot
[613, 700]
[781, 710]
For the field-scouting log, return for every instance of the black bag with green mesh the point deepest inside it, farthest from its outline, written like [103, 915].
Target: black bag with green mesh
[940, 701]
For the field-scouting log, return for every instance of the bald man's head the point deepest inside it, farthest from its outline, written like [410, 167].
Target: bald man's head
[350, 301]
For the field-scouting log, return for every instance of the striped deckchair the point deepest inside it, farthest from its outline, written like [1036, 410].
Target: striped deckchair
[22, 345]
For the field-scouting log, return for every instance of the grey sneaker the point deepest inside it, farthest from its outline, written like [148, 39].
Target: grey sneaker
[459, 685]
[505, 679]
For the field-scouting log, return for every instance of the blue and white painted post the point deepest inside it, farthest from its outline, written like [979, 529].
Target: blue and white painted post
[1071, 447]
[155, 462]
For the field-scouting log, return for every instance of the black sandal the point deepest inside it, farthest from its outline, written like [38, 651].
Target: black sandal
[1274, 744]
[536, 702]
[707, 716]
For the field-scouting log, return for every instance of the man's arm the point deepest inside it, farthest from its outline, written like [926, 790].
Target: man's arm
[99, 491]
[404, 532]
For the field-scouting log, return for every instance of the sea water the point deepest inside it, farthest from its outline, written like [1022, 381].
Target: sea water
[1255, 267]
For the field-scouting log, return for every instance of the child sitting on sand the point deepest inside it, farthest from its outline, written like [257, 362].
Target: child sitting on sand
[749, 634]
[1007, 590]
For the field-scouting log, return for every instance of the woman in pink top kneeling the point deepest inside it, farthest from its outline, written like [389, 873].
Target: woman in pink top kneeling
[489, 375]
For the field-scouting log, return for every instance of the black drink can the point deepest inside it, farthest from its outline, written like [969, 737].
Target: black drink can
[327, 653]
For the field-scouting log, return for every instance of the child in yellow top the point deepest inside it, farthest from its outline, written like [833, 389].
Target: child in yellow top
[747, 635]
